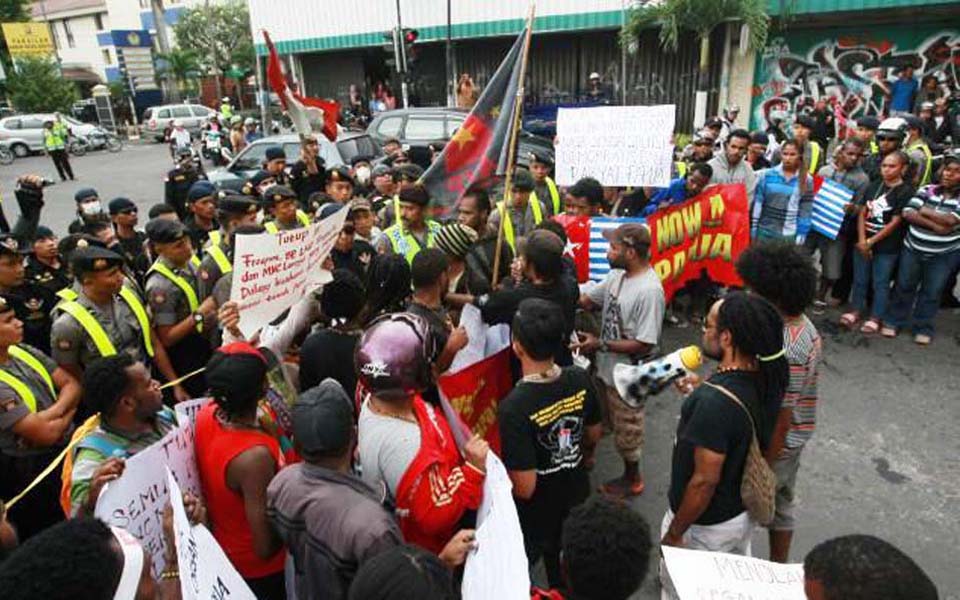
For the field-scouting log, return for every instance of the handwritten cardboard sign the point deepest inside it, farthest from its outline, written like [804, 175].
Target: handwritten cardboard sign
[616, 145]
[272, 271]
[697, 574]
[136, 500]
[205, 571]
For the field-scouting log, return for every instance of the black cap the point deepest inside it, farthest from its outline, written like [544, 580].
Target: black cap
[119, 205]
[541, 157]
[339, 173]
[237, 204]
[360, 158]
[806, 121]
[277, 193]
[43, 233]
[409, 172]
[871, 123]
[913, 122]
[164, 231]
[10, 245]
[274, 153]
[414, 194]
[522, 180]
[323, 418]
[85, 193]
[90, 259]
[201, 189]
[260, 176]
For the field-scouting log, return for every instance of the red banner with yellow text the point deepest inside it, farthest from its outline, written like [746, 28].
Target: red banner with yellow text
[475, 394]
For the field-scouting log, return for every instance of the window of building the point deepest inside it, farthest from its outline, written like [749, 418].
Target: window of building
[106, 57]
[98, 21]
[69, 33]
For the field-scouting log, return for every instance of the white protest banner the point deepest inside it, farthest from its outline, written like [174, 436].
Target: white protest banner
[205, 571]
[482, 340]
[697, 574]
[498, 567]
[616, 145]
[136, 500]
[187, 411]
[271, 272]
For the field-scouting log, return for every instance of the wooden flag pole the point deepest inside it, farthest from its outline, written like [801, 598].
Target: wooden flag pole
[512, 151]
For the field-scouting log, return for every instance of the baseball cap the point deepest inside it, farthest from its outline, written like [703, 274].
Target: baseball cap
[323, 418]
[84, 194]
[275, 153]
[164, 231]
[868, 123]
[360, 203]
[121, 205]
[43, 233]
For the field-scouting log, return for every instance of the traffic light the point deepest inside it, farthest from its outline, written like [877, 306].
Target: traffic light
[392, 48]
[409, 37]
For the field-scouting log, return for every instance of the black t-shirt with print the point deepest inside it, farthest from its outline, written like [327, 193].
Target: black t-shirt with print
[882, 204]
[710, 419]
[329, 353]
[542, 426]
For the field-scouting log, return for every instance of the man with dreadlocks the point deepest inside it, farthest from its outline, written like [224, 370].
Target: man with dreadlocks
[744, 333]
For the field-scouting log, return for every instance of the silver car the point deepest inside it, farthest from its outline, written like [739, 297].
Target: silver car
[23, 134]
[157, 119]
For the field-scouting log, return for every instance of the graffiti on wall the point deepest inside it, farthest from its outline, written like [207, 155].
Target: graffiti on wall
[851, 72]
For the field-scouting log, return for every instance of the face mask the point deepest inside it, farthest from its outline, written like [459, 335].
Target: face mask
[91, 208]
[363, 174]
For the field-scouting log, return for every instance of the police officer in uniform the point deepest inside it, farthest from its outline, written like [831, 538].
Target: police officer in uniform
[183, 322]
[544, 188]
[130, 240]
[178, 181]
[258, 182]
[233, 211]
[202, 203]
[339, 185]
[31, 302]
[414, 231]
[524, 213]
[105, 317]
[89, 209]
[280, 202]
[44, 266]
[275, 163]
[37, 404]
[308, 175]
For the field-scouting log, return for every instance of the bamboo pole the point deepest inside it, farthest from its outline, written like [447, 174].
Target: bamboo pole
[512, 151]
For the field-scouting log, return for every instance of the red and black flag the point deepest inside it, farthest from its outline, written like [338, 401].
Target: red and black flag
[478, 150]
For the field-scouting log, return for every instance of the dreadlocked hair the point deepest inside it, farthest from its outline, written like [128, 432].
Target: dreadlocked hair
[756, 329]
[388, 287]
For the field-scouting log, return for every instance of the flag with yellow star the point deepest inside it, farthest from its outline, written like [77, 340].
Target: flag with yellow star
[477, 153]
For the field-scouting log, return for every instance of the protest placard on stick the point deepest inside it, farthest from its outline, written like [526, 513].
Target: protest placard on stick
[616, 145]
[697, 574]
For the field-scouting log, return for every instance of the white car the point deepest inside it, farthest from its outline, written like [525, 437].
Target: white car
[156, 119]
[23, 134]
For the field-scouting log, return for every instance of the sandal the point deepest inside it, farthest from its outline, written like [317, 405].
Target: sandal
[922, 339]
[870, 326]
[849, 319]
[888, 332]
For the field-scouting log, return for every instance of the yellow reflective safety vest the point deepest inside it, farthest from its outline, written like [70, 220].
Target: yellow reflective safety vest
[195, 260]
[508, 231]
[181, 283]
[220, 257]
[22, 389]
[874, 148]
[54, 139]
[396, 209]
[681, 168]
[272, 227]
[215, 237]
[814, 157]
[406, 244]
[925, 177]
[93, 328]
[554, 195]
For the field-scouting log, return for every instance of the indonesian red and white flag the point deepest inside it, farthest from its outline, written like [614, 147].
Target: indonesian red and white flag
[308, 114]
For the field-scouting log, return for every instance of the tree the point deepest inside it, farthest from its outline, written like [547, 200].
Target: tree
[218, 35]
[673, 17]
[37, 86]
[183, 65]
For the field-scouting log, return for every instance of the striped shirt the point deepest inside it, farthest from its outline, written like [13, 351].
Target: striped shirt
[779, 209]
[803, 348]
[920, 238]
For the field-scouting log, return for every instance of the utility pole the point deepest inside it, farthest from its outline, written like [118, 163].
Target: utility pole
[213, 50]
[451, 75]
[402, 61]
[160, 23]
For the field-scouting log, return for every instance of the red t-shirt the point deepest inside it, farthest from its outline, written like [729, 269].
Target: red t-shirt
[216, 446]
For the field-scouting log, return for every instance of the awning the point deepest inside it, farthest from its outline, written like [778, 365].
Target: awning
[81, 75]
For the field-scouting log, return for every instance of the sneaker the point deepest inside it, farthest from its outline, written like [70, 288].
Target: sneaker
[922, 339]
[623, 488]
[888, 332]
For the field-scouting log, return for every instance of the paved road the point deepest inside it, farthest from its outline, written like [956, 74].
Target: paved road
[883, 460]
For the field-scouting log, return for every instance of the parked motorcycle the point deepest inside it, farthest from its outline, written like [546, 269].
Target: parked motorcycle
[96, 140]
[6, 155]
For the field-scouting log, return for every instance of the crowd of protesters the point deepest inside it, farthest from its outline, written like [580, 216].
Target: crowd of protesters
[325, 441]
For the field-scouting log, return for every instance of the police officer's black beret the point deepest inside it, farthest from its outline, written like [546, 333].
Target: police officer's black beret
[277, 193]
[275, 152]
[259, 177]
[85, 193]
[164, 231]
[76, 241]
[541, 157]
[10, 245]
[339, 173]
[871, 123]
[91, 259]
[119, 205]
[43, 233]
[237, 204]
[522, 180]
[806, 121]
[201, 189]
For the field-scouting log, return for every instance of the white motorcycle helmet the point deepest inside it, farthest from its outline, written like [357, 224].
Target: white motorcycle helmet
[893, 127]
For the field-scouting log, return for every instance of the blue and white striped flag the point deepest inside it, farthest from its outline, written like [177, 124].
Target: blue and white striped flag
[828, 208]
[599, 267]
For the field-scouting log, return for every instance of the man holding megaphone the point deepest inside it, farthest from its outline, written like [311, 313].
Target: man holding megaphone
[632, 300]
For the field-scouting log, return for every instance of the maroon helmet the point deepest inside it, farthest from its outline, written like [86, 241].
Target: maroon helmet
[393, 357]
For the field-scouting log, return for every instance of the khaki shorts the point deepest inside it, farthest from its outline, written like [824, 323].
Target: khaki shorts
[786, 468]
[628, 426]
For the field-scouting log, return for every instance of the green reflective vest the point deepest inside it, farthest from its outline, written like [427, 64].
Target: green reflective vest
[554, 196]
[925, 177]
[181, 283]
[220, 257]
[406, 244]
[54, 139]
[272, 227]
[93, 328]
[508, 231]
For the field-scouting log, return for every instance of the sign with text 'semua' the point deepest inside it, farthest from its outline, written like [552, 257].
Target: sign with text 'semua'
[272, 271]
[616, 145]
[697, 574]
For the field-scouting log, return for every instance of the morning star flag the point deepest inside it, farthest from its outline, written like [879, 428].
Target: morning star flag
[828, 206]
[478, 150]
[307, 114]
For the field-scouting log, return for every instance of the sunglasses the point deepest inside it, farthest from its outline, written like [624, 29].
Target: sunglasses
[129, 211]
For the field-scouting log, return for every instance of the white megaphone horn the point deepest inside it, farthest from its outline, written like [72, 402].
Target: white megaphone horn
[635, 383]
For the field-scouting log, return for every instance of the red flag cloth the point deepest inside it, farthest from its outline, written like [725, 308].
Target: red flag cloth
[476, 391]
[578, 243]
[295, 104]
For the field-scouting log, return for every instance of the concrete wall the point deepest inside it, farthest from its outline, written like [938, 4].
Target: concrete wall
[85, 52]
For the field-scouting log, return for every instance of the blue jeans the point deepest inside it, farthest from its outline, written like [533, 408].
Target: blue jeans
[878, 269]
[929, 273]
